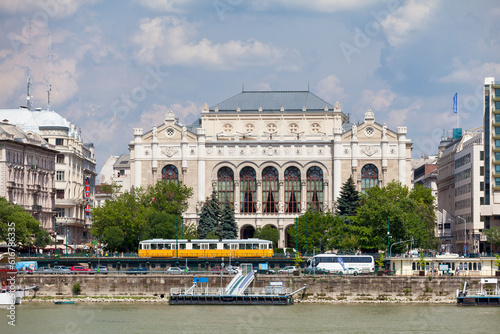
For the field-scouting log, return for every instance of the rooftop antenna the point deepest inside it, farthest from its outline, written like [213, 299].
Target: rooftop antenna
[29, 81]
[49, 86]
[308, 86]
[242, 87]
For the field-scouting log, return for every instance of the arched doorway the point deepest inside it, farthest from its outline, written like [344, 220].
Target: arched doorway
[247, 232]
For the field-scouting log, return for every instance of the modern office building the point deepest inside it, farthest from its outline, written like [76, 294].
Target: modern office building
[461, 192]
[490, 209]
[271, 155]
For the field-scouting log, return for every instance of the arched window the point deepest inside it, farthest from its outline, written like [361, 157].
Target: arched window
[248, 186]
[369, 177]
[315, 188]
[170, 173]
[225, 182]
[270, 190]
[292, 190]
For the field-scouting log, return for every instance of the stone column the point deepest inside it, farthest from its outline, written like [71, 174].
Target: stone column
[137, 157]
[201, 132]
[337, 165]
[385, 152]
[184, 153]
[402, 154]
[154, 155]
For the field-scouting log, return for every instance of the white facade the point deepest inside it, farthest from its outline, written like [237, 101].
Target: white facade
[27, 172]
[74, 163]
[271, 155]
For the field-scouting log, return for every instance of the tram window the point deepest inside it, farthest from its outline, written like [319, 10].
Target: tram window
[263, 246]
[255, 246]
[153, 246]
[234, 246]
[182, 246]
[161, 246]
[196, 246]
[212, 246]
[248, 246]
[226, 246]
[242, 246]
[204, 246]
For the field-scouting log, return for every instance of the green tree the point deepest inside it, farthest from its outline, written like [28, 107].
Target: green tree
[493, 235]
[409, 214]
[268, 232]
[13, 219]
[228, 226]
[42, 238]
[141, 214]
[209, 217]
[161, 225]
[349, 199]
[111, 189]
[113, 237]
[167, 196]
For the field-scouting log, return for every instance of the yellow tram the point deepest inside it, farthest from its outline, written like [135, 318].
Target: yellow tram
[206, 248]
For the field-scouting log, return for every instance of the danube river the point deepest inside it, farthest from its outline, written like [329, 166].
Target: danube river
[124, 318]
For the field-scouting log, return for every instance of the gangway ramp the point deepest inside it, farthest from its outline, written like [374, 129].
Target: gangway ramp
[234, 282]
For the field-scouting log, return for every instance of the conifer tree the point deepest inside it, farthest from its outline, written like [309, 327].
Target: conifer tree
[228, 227]
[349, 199]
[209, 217]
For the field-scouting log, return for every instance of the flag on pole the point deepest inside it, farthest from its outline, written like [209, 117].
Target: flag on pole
[455, 103]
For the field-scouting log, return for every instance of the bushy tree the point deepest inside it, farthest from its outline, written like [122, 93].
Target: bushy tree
[349, 199]
[228, 226]
[141, 214]
[209, 217]
[13, 219]
[409, 214]
[268, 232]
[493, 235]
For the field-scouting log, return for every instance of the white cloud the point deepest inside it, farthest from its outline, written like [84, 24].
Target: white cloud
[43, 10]
[169, 6]
[399, 117]
[378, 101]
[168, 40]
[473, 72]
[156, 115]
[322, 6]
[408, 19]
[329, 88]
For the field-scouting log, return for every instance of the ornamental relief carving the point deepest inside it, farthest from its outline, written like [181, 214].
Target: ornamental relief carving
[370, 150]
[169, 151]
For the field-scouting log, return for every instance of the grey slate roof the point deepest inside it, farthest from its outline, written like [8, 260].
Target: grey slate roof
[249, 101]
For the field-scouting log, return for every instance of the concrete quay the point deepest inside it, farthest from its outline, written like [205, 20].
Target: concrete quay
[362, 289]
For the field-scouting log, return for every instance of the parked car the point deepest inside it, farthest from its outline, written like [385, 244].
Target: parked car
[44, 270]
[315, 271]
[25, 270]
[100, 270]
[218, 270]
[137, 270]
[61, 270]
[80, 269]
[184, 269]
[352, 271]
[287, 270]
[175, 271]
[232, 269]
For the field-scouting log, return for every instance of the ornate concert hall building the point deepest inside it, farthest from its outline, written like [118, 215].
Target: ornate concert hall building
[270, 154]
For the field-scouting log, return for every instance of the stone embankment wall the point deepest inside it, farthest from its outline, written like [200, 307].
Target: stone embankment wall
[319, 288]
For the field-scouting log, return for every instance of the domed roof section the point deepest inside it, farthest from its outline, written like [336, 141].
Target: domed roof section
[50, 119]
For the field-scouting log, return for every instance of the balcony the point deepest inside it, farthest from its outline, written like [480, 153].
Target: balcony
[36, 208]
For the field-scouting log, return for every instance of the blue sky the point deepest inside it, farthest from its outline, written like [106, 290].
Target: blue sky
[117, 65]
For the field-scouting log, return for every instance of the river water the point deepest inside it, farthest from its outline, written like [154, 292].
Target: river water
[125, 318]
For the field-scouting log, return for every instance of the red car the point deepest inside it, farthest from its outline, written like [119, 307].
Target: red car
[218, 269]
[80, 269]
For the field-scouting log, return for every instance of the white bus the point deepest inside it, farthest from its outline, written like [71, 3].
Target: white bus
[331, 262]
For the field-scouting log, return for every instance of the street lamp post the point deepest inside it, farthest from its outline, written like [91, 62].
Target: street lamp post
[66, 238]
[176, 241]
[465, 235]
[55, 236]
[388, 234]
[307, 237]
[296, 236]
